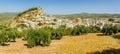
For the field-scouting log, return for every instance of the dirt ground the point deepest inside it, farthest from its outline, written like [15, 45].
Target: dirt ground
[18, 47]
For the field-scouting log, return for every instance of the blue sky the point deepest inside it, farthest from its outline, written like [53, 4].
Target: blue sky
[62, 6]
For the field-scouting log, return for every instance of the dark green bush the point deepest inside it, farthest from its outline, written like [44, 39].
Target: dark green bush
[79, 30]
[45, 40]
[68, 31]
[3, 37]
[38, 37]
[8, 35]
[12, 34]
[56, 34]
[109, 29]
[2, 27]
[115, 29]
[93, 29]
[62, 29]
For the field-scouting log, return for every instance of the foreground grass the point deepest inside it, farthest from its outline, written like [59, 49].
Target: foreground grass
[86, 44]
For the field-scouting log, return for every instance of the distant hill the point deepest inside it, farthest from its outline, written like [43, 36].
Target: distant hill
[87, 15]
[7, 16]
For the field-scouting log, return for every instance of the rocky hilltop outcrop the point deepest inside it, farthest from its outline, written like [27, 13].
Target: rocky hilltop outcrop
[33, 17]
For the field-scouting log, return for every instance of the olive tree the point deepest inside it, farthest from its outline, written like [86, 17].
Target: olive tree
[38, 37]
[109, 29]
[3, 38]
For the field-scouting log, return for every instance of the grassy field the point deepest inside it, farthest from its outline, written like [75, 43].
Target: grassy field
[87, 44]
[67, 45]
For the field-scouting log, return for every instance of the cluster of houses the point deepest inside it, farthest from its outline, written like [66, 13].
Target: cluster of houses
[42, 20]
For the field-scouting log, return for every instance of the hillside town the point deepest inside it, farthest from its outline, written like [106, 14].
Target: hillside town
[36, 18]
[59, 27]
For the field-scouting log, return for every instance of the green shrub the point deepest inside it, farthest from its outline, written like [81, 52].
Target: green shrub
[8, 35]
[31, 42]
[62, 29]
[109, 29]
[45, 40]
[3, 37]
[24, 34]
[38, 37]
[115, 29]
[11, 33]
[56, 34]
[94, 29]
[79, 30]
[68, 31]
[2, 27]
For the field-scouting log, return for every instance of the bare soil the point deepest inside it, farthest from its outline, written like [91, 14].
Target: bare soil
[19, 47]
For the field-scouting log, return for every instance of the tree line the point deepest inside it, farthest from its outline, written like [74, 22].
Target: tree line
[43, 36]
